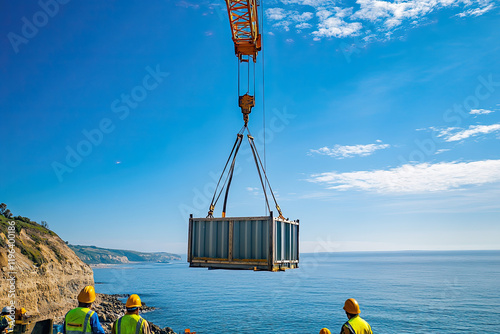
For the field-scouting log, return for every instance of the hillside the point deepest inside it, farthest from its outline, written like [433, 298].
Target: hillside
[48, 274]
[96, 255]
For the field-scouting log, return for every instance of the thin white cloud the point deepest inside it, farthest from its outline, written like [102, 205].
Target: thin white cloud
[275, 13]
[394, 13]
[323, 14]
[312, 3]
[480, 111]
[343, 12]
[335, 26]
[349, 151]
[457, 134]
[420, 178]
[285, 25]
[187, 4]
[303, 25]
[284, 18]
[476, 11]
[253, 191]
[301, 17]
[442, 150]
[341, 19]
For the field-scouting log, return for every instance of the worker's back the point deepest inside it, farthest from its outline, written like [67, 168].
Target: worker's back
[359, 325]
[78, 320]
[131, 324]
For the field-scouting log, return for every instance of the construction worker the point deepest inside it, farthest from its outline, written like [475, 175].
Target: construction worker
[355, 325]
[131, 322]
[82, 319]
[325, 331]
[21, 315]
[6, 321]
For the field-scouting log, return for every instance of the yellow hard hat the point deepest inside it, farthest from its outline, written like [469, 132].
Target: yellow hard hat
[324, 331]
[351, 306]
[23, 310]
[133, 301]
[87, 295]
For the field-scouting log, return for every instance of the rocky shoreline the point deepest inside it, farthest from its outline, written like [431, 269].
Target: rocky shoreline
[109, 308]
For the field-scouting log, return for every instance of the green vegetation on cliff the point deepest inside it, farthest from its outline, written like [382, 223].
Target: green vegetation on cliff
[31, 246]
[96, 255]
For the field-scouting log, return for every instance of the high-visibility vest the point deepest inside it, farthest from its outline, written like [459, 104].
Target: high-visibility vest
[130, 324]
[10, 323]
[359, 325]
[78, 321]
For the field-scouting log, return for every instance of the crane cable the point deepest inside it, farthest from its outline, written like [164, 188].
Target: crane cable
[264, 181]
[257, 158]
[236, 146]
[263, 83]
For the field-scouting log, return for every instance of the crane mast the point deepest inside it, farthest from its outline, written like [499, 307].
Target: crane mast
[244, 21]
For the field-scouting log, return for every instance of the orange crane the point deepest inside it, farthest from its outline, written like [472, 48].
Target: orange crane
[244, 22]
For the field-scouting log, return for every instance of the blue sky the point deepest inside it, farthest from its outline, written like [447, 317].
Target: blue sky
[382, 120]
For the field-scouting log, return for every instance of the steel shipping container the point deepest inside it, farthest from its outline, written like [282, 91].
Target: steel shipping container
[257, 243]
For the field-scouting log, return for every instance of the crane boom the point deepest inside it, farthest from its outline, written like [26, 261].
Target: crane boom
[244, 22]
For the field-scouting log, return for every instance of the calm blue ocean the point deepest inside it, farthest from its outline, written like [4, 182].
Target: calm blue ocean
[398, 292]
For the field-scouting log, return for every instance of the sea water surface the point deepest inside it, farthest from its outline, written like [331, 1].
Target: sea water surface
[398, 292]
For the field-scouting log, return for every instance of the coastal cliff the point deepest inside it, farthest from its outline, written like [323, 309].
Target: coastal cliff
[47, 273]
[42, 273]
[97, 255]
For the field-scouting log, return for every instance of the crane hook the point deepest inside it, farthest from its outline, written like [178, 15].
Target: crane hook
[246, 103]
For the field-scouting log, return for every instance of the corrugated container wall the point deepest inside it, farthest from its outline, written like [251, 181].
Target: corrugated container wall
[258, 243]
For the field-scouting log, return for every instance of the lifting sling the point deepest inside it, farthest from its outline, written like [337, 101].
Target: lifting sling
[229, 177]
